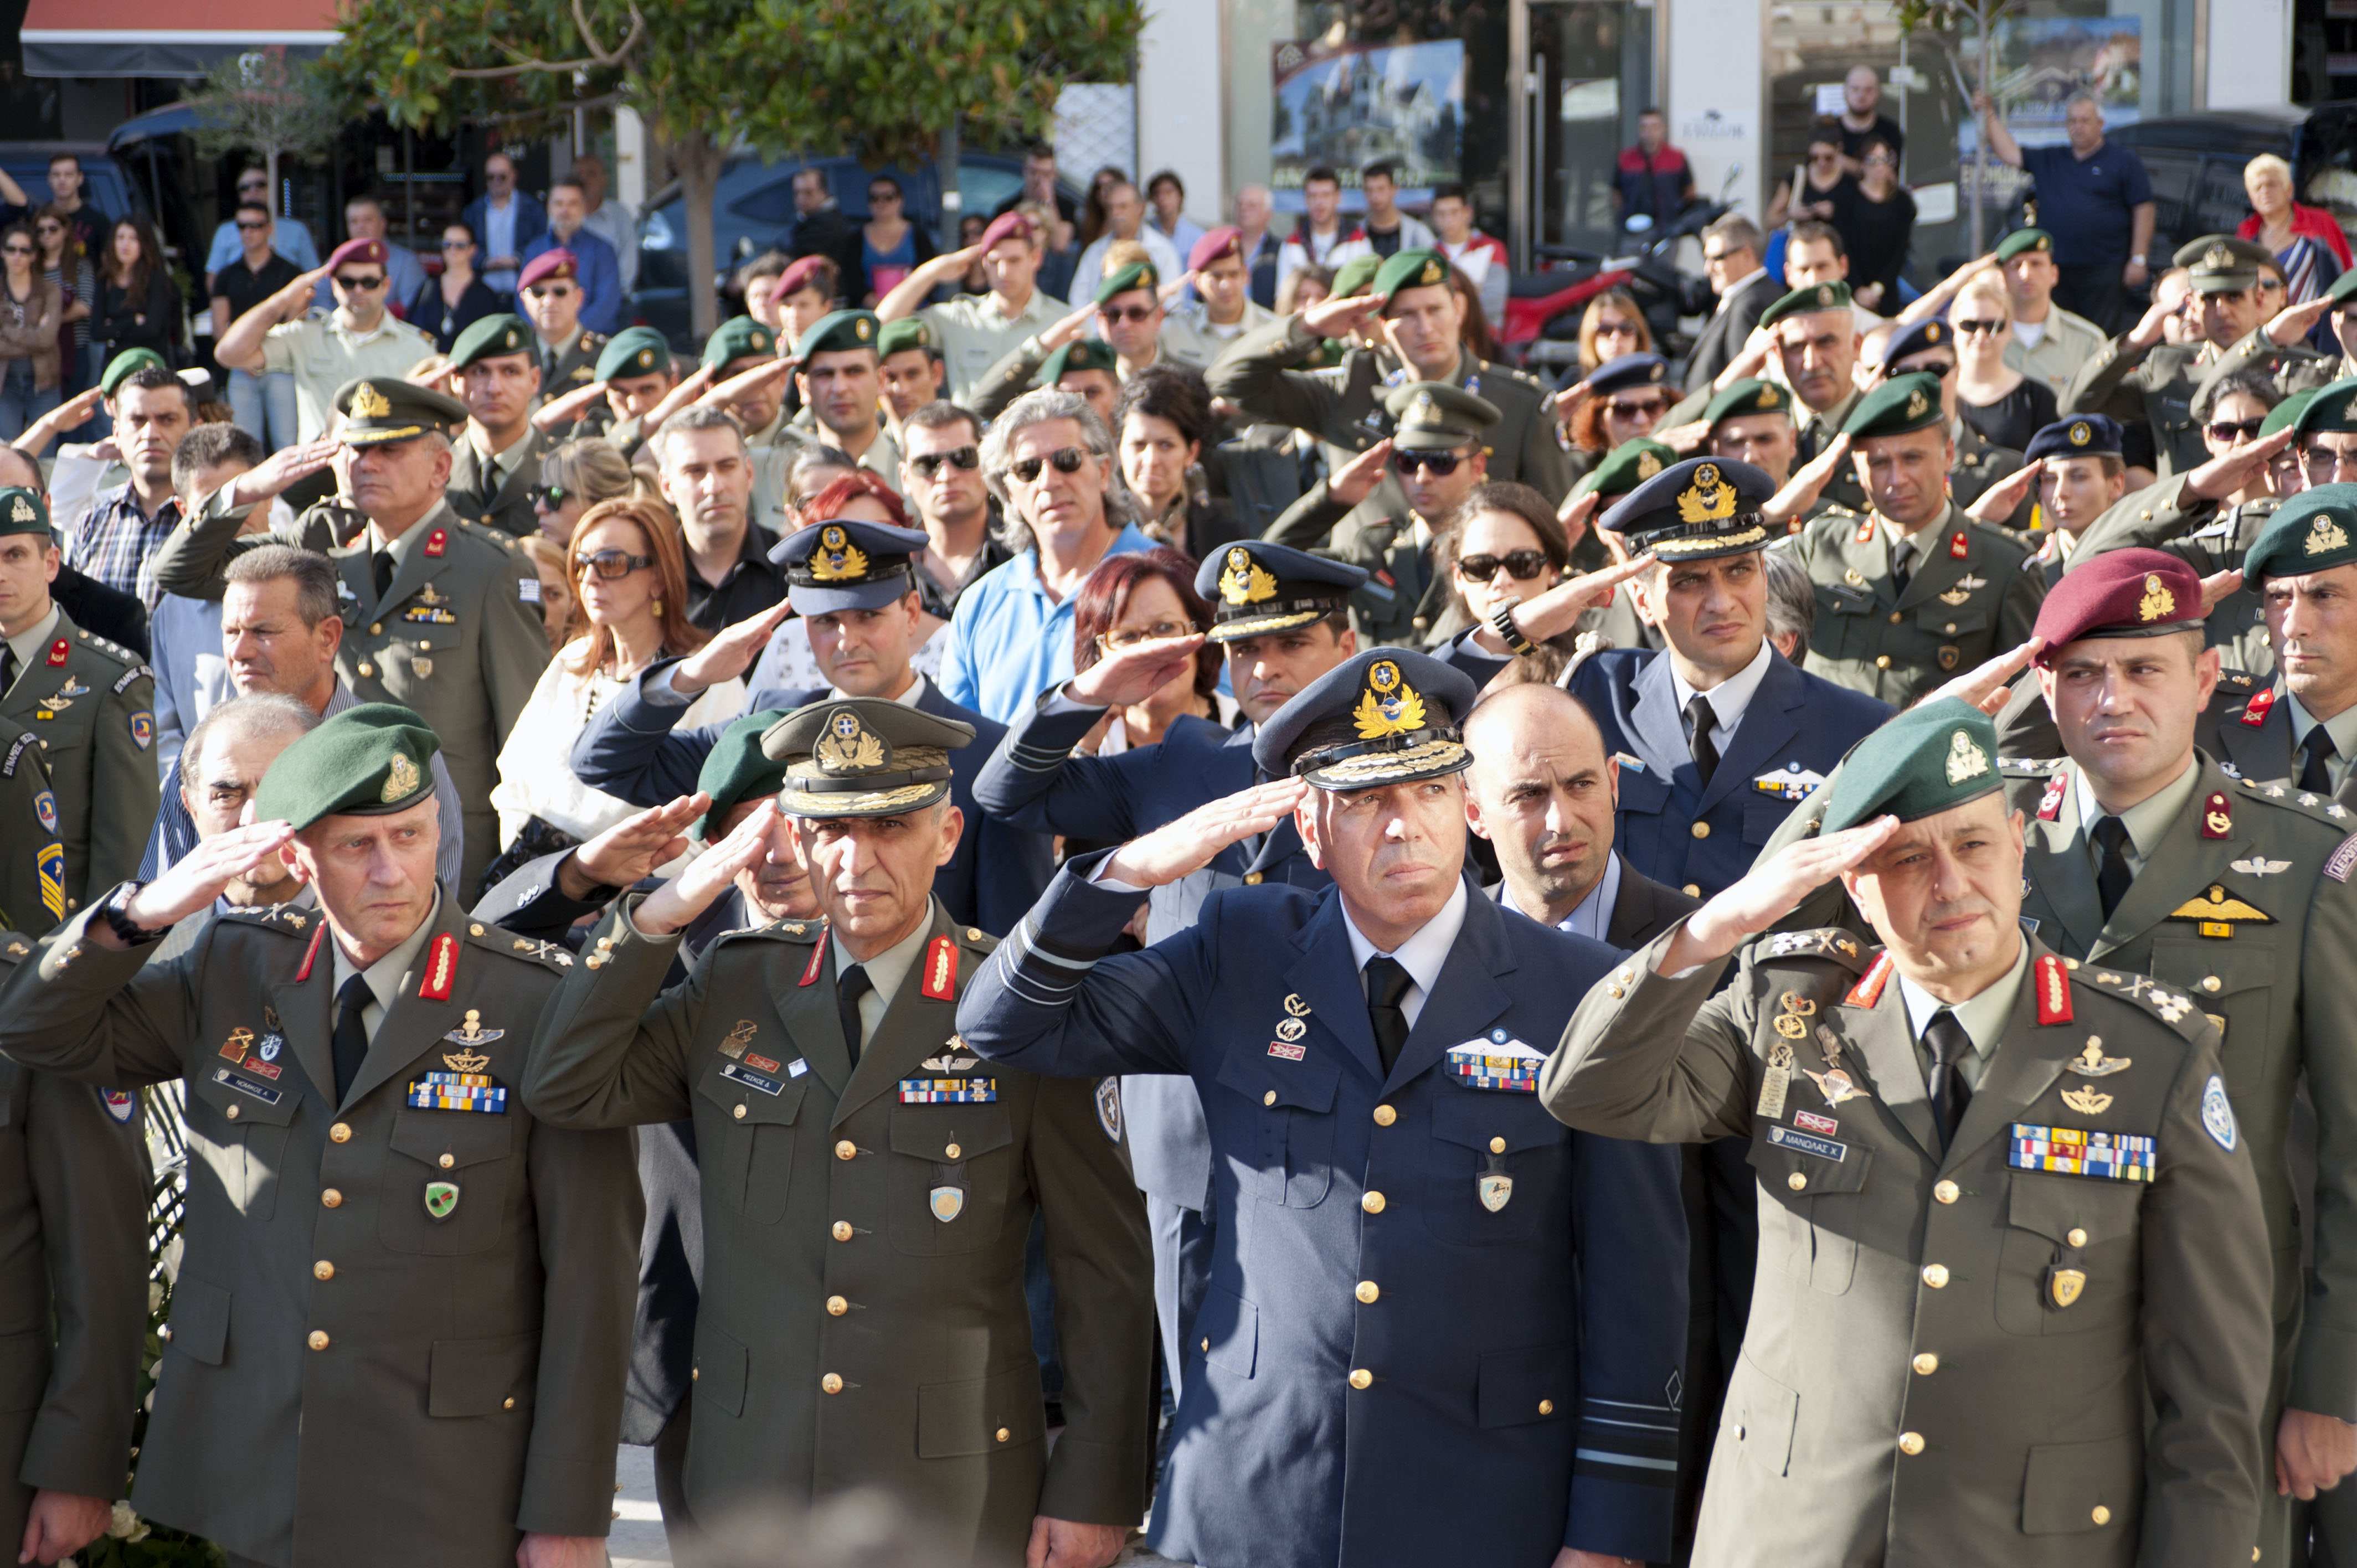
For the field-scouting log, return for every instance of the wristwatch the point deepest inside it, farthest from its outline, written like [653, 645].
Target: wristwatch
[131, 933]
[2136, 261]
[1503, 623]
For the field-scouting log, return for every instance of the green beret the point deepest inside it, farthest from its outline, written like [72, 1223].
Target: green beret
[1802, 301]
[2328, 409]
[634, 352]
[121, 367]
[1898, 405]
[1750, 395]
[1630, 464]
[367, 761]
[1353, 277]
[738, 338]
[378, 409]
[2312, 531]
[1137, 274]
[863, 757]
[2342, 288]
[1080, 354]
[490, 337]
[1414, 268]
[836, 331]
[908, 332]
[737, 770]
[1434, 416]
[2284, 414]
[1935, 756]
[2220, 264]
[2022, 239]
[22, 511]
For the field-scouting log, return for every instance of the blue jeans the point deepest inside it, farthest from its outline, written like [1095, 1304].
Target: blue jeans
[21, 404]
[264, 406]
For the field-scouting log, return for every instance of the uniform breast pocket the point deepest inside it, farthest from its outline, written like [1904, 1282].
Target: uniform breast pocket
[1817, 1183]
[413, 653]
[1644, 795]
[1762, 818]
[1290, 1107]
[744, 1137]
[1499, 1166]
[446, 1180]
[952, 1172]
[240, 1123]
[2232, 979]
[1846, 626]
[2068, 1261]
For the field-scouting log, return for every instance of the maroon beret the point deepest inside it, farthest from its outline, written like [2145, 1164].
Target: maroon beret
[800, 274]
[558, 262]
[368, 251]
[2122, 593]
[1005, 226]
[1211, 247]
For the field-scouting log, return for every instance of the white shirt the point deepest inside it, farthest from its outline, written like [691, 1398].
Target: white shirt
[1728, 699]
[1422, 955]
[1089, 269]
[1737, 285]
[2029, 334]
[385, 977]
[1593, 916]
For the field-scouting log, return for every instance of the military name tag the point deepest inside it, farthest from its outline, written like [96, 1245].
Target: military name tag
[1808, 1143]
[2071, 1151]
[243, 1085]
[948, 1090]
[736, 1073]
[1499, 1062]
[459, 1091]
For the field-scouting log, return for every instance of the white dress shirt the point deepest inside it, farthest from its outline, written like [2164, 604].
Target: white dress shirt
[1422, 955]
[1728, 699]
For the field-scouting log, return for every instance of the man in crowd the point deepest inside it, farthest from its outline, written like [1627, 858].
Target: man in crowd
[497, 460]
[1814, 339]
[2097, 202]
[633, 374]
[1199, 333]
[909, 364]
[788, 294]
[1751, 420]
[404, 275]
[976, 333]
[706, 475]
[1261, 248]
[741, 347]
[1731, 259]
[116, 543]
[228, 753]
[841, 386]
[185, 633]
[1481, 257]
[255, 269]
[549, 291]
[940, 474]
[1129, 320]
[324, 353]
[1863, 120]
[1040, 186]
[607, 216]
[1652, 179]
[505, 220]
[1928, 348]
[2084, 476]
[1125, 220]
[820, 229]
[1385, 230]
[290, 237]
[2048, 343]
[596, 270]
[1321, 229]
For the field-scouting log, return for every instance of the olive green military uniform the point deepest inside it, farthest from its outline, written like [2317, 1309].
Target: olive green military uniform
[90, 705]
[33, 865]
[1981, 464]
[487, 491]
[74, 1282]
[1029, 364]
[2210, 537]
[572, 368]
[1816, 432]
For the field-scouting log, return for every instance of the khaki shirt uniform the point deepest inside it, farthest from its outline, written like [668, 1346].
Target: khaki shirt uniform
[322, 355]
[2069, 342]
[974, 336]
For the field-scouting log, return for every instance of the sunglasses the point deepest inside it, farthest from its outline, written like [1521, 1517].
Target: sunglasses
[1138, 313]
[612, 564]
[246, 185]
[549, 291]
[458, 244]
[1067, 459]
[1979, 328]
[548, 497]
[50, 228]
[250, 227]
[1439, 464]
[968, 458]
[1130, 636]
[1648, 408]
[1520, 564]
[16, 249]
[2224, 431]
[1616, 329]
[359, 284]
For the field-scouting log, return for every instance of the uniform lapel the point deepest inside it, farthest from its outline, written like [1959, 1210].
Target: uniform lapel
[2056, 866]
[1656, 727]
[416, 1022]
[1466, 999]
[2179, 866]
[2022, 1069]
[914, 1027]
[411, 572]
[2263, 752]
[1767, 728]
[1324, 977]
[1935, 568]
[307, 1015]
[806, 1016]
[1880, 1038]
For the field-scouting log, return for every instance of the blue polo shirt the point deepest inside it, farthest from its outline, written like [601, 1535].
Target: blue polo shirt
[2085, 202]
[1008, 641]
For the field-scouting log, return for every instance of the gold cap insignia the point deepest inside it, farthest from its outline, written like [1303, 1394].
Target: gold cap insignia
[1825, 294]
[21, 511]
[2217, 258]
[1965, 758]
[1424, 408]
[1431, 273]
[1245, 581]
[2326, 535]
[1389, 705]
[860, 328]
[646, 358]
[1917, 405]
[1931, 332]
[400, 779]
[370, 403]
[1648, 465]
[850, 746]
[2079, 434]
[508, 337]
[2159, 603]
[1767, 397]
[837, 558]
[1707, 498]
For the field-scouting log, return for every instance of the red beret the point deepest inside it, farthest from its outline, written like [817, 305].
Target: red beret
[1219, 242]
[801, 275]
[559, 262]
[1005, 226]
[368, 251]
[2122, 593]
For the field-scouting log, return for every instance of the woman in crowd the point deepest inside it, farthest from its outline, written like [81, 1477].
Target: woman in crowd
[1303, 287]
[575, 476]
[1611, 327]
[1820, 189]
[1093, 210]
[2230, 411]
[788, 662]
[1502, 545]
[1162, 424]
[971, 227]
[30, 311]
[631, 575]
[1877, 228]
[2306, 239]
[76, 283]
[2006, 407]
[1622, 411]
[885, 249]
[450, 304]
[1146, 596]
[1474, 333]
[139, 306]
[1166, 208]
[553, 567]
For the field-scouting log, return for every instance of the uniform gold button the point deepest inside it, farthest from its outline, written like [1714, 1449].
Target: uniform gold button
[1614, 992]
[474, 931]
[1896, 617]
[845, 1150]
[447, 1161]
[318, 1340]
[230, 1112]
[2077, 1238]
[1361, 1378]
[842, 1231]
[376, 628]
[1936, 1275]
[1911, 1442]
[1693, 890]
[1368, 1291]
[1497, 1145]
[366, 668]
[836, 1306]
[954, 1151]
[1927, 1363]
[831, 1383]
[695, 1374]
[1253, 878]
[1372, 1202]
[973, 934]
[1385, 1115]
[507, 1404]
[1546, 1407]
[1269, 1098]
[332, 1198]
[738, 1112]
[2209, 983]
[1882, 661]
[1207, 1345]
[1797, 1180]
[1701, 830]
[341, 1132]
[1946, 1192]
[2100, 1514]
[1002, 1434]
[323, 1270]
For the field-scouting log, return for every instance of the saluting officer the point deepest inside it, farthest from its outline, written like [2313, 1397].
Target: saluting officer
[73, 1298]
[1421, 1285]
[1912, 590]
[869, 1186]
[2009, 1304]
[33, 868]
[635, 369]
[550, 288]
[1979, 464]
[89, 705]
[2300, 731]
[1813, 333]
[497, 460]
[398, 1334]
[441, 614]
[1752, 420]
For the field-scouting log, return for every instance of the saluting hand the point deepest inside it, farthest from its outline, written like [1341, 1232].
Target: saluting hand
[2238, 467]
[735, 651]
[1769, 891]
[283, 469]
[1127, 676]
[1988, 686]
[1555, 611]
[631, 849]
[1357, 479]
[679, 901]
[1069, 329]
[198, 877]
[1807, 483]
[1341, 318]
[1179, 848]
[2294, 322]
[2002, 500]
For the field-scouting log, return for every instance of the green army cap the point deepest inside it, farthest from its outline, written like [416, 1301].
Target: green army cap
[2220, 264]
[1080, 354]
[1353, 275]
[2329, 410]
[2342, 288]
[22, 511]
[126, 364]
[2284, 414]
[1137, 274]
[2022, 239]
[1414, 268]
[738, 338]
[1935, 756]
[908, 332]
[367, 761]
[863, 757]
[1434, 416]
[737, 770]
[634, 352]
[2314, 529]
[378, 409]
[1903, 403]
[836, 331]
[490, 339]
[1749, 395]
[1629, 465]
[1815, 297]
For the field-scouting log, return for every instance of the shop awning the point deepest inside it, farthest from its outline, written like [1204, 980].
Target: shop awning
[167, 37]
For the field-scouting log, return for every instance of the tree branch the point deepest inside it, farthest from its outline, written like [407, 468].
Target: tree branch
[599, 56]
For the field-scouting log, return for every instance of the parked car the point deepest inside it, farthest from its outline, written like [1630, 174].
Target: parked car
[754, 209]
[2196, 165]
[108, 183]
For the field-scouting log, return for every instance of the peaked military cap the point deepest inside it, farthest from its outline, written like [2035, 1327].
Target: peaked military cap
[863, 757]
[633, 351]
[2286, 415]
[1416, 267]
[738, 338]
[1802, 301]
[2022, 239]
[1434, 416]
[1137, 274]
[1385, 717]
[1935, 756]
[1919, 339]
[1696, 511]
[490, 337]
[908, 332]
[1903, 403]
[378, 409]
[2331, 409]
[2121, 593]
[557, 263]
[2314, 529]
[126, 364]
[1628, 371]
[1629, 465]
[1080, 354]
[842, 564]
[836, 331]
[370, 760]
[1749, 395]
[2080, 435]
[1256, 587]
[2220, 264]
[22, 511]
[1353, 277]
[737, 770]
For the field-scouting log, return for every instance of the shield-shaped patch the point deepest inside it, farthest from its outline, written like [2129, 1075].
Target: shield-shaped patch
[441, 1199]
[1496, 1191]
[949, 1202]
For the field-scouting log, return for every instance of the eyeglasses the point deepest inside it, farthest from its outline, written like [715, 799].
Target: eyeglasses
[1520, 564]
[1138, 313]
[458, 244]
[612, 564]
[2323, 461]
[547, 498]
[969, 458]
[2225, 432]
[1978, 328]
[1067, 460]
[549, 291]
[1647, 408]
[250, 227]
[1130, 636]
[1439, 464]
[359, 284]
[1823, 154]
[1877, 160]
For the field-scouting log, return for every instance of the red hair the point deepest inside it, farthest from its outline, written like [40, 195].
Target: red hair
[1101, 598]
[857, 482]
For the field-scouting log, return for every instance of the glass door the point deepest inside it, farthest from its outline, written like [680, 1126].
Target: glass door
[1585, 68]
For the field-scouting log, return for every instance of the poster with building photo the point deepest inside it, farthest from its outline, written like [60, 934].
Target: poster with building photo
[2038, 63]
[1346, 107]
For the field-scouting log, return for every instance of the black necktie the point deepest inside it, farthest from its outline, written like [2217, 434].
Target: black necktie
[1387, 985]
[2112, 873]
[2315, 774]
[382, 563]
[7, 668]
[1901, 554]
[1700, 717]
[349, 1045]
[849, 987]
[1949, 1046]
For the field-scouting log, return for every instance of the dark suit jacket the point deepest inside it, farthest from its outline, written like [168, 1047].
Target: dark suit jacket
[1725, 334]
[104, 611]
[1644, 909]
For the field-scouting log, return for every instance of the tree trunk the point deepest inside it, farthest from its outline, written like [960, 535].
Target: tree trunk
[698, 159]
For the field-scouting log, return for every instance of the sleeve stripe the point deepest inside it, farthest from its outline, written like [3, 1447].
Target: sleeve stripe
[1029, 945]
[1597, 1457]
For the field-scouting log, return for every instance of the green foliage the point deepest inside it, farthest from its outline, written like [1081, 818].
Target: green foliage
[263, 102]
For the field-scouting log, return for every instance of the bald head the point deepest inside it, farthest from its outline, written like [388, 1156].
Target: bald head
[1543, 791]
[1503, 714]
[16, 468]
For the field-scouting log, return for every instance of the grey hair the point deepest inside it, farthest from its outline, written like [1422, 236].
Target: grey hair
[703, 417]
[1038, 407]
[1792, 597]
[314, 576]
[243, 718]
[2084, 96]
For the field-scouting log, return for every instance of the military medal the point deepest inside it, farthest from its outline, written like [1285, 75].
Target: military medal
[1776, 1081]
[2092, 1063]
[467, 1059]
[1835, 1085]
[733, 1044]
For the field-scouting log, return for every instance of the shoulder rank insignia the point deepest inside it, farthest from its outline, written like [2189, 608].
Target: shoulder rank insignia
[2049, 805]
[1960, 545]
[2256, 711]
[2217, 816]
[2216, 913]
[441, 969]
[939, 984]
